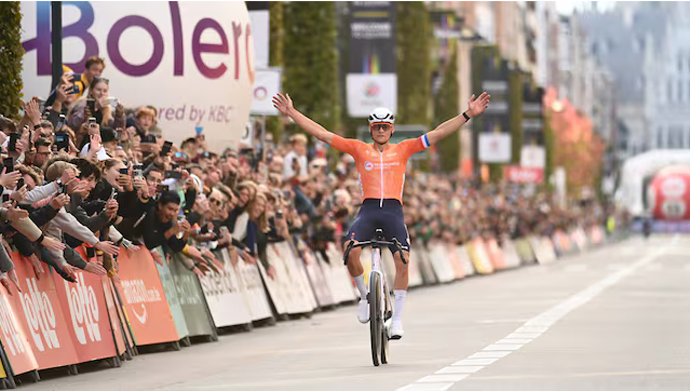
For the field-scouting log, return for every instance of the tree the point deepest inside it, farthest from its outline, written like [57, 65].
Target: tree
[445, 108]
[274, 124]
[413, 66]
[11, 54]
[310, 60]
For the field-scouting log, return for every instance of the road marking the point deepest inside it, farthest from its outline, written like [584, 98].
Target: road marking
[476, 361]
[539, 324]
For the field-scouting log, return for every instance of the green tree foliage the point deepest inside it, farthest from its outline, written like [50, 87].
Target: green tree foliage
[11, 53]
[310, 59]
[445, 108]
[274, 124]
[413, 66]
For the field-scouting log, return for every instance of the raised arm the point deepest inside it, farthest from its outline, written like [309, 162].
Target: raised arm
[284, 105]
[475, 107]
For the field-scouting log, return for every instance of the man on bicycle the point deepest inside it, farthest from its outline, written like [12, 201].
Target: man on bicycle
[381, 168]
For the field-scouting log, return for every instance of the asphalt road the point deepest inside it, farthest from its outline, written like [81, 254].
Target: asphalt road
[615, 318]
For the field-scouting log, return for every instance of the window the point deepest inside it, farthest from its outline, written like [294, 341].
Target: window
[669, 91]
[659, 137]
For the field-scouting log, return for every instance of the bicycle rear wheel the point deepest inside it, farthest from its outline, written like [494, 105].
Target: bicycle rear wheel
[375, 321]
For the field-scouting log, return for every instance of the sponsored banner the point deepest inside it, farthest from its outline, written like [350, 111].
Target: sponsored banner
[260, 19]
[465, 261]
[495, 254]
[253, 288]
[14, 336]
[193, 62]
[297, 272]
[337, 275]
[479, 256]
[171, 296]
[510, 253]
[192, 302]
[422, 257]
[266, 85]
[116, 324]
[524, 251]
[518, 174]
[371, 81]
[318, 280]
[224, 294]
[494, 147]
[533, 156]
[87, 315]
[144, 300]
[372, 37]
[454, 259]
[439, 261]
[39, 311]
[365, 92]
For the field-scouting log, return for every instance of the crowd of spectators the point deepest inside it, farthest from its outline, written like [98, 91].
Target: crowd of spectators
[83, 168]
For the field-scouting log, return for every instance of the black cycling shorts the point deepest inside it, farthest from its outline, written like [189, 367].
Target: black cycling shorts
[389, 217]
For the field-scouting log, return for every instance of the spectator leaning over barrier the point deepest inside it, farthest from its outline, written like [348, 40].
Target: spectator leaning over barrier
[295, 162]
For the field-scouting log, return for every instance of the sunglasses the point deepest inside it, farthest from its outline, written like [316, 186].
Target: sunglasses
[215, 201]
[381, 127]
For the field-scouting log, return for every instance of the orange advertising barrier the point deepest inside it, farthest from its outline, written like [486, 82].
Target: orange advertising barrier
[562, 242]
[596, 235]
[146, 307]
[495, 254]
[480, 256]
[41, 315]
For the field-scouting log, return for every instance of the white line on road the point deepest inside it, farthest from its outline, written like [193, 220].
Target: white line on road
[537, 325]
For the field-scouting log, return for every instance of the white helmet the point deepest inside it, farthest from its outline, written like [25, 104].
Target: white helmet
[381, 114]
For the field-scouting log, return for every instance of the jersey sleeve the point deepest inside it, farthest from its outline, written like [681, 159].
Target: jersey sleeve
[415, 145]
[346, 145]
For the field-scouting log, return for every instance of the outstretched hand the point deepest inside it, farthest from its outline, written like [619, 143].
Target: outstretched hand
[282, 103]
[477, 106]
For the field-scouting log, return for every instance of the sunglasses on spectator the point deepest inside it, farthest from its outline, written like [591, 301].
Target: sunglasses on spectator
[215, 201]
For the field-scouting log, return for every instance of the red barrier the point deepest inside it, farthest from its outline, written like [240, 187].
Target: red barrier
[86, 311]
[14, 336]
[454, 259]
[495, 254]
[142, 294]
[38, 309]
[116, 324]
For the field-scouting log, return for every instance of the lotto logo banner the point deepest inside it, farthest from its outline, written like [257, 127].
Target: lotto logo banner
[193, 61]
[86, 315]
[39, 310]
[144, 301]
[14, 336]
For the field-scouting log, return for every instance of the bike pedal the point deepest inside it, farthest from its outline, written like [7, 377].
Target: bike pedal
[394, 337]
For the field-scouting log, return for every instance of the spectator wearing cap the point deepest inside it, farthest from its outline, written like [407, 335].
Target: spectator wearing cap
[295, 162]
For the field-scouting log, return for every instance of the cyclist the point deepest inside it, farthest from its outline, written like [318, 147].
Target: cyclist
[381, 168]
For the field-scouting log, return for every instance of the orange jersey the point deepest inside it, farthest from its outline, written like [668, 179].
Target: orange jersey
[382, 174]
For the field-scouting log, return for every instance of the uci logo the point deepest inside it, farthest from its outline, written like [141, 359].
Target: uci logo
[368, 166]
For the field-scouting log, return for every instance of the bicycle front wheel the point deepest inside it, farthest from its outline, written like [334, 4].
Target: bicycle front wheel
[375, 321]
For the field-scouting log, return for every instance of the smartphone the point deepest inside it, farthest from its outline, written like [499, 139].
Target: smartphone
[41, 105]
[20, 183]
[113, 102]
[173, 174]
[149, 138]
[12, 144]
[162, 188]
[175, 166]
[139, 171]
[61, 122]
[113, 192]
[5, 198]
[91, 103]
[124, 171]
[90, 252]
[61, 142]
[74, 90]
[76, 77]
[166, 148]
[9, 164]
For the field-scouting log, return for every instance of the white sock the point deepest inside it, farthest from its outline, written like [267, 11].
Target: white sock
[361, 286]
[399, 304]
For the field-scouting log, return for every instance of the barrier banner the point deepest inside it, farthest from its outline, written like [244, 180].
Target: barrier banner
[479, 256]
[561, 242]
[543, 249]
[253, 288]
[224, 296]
[465, 260]
[413, 272]
[524, 251]
[319, 283]
[171, 296]
[192, 302]
[422, 257]
[439, 262]
[596, 235]
[495, 254]
[288, 281]
[87, 316]
[14, 336]
[454, 258]
[510, 254]
[116, 324]
[38, 310]
[297, 272]
[342, 286]
[580, 238]
[144, 301]
[122, 314]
